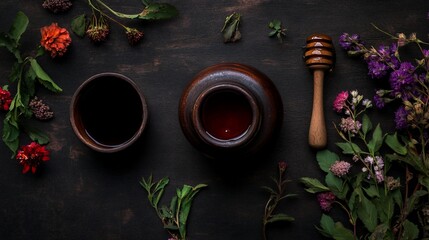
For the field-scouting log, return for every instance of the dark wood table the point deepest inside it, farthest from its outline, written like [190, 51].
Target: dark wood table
[81, 194]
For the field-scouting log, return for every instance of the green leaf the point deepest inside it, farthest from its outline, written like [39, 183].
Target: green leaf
[269, 190]
[366, 124]
[393, 142]
[313, 185]
[9, 44]
[29, 79]
[158, 197]
[173, 203]
[342, 233]
[36, 134]
[424, 180]
[19, 26]
[230, 28]
[411, 231]
[11, 133]
[158, 11]
[372, 191]
[367, 212]
[381, 232]
[327, 225]
[336, 185]
[349, 148]
[43, 77]
[377, 140]
[325, 159]
[280, 218]
[78, 25]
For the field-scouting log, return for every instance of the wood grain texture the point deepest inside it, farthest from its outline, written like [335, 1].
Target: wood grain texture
[81, 194]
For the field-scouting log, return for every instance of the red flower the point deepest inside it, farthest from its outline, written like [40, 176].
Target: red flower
[31, 156]
[282, 166]
[5, 98]
[55, 39]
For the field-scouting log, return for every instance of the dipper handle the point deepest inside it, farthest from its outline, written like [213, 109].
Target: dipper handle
[319, 56]
[317, 137]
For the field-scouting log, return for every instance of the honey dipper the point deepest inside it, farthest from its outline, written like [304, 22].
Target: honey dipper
[319, 56]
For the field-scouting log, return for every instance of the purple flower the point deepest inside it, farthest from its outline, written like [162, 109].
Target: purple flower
[379, 101]
[426, 53]
[350, 42]
[402, 77]
[377, 69]
[326, 199]
[401, 118]
[340, 168]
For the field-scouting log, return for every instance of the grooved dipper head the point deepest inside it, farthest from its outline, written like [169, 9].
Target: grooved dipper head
[319, 52]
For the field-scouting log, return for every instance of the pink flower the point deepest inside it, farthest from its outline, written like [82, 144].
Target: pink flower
[326, 199]
[350, 125]
[340, 101]
[340, 168]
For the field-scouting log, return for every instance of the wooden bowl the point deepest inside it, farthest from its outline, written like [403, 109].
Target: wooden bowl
[108, 112]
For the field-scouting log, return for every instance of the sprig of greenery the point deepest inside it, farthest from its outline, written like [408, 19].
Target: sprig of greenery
[277, 30]
[174, 217]
[276, 195]
[25, 73]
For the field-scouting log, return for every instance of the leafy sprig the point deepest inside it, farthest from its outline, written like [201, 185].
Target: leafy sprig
[277, 194]
[25, 74]
[175, 216]
[277, 30]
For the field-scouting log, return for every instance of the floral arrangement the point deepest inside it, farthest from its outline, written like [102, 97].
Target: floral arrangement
[175, 216]
[26, 73]
[381, 181]
[98, 27]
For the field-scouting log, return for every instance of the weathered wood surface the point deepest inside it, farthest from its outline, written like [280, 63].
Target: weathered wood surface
[80, 194]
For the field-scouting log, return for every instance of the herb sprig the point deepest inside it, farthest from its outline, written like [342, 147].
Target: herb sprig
[174, 217]
[277, 194]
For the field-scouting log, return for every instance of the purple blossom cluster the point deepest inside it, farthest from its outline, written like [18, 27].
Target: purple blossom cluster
[326, 199]
[403, 78]
[374, 165]
[340, 168]
[350, 125]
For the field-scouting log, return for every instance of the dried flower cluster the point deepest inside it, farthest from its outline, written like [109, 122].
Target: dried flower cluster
[57, 6]
[98, 28]
[133, 35]
[31, 156]
[40, 110]
[55, 39]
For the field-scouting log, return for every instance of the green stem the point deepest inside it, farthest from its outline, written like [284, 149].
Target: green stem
[118, 14]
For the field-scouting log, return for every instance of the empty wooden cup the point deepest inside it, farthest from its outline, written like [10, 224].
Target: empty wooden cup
[319, 56]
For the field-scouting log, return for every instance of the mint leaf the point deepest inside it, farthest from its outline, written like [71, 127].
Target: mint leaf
[325, 159]
[18, 27]
[78, 25]
[43, 77]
